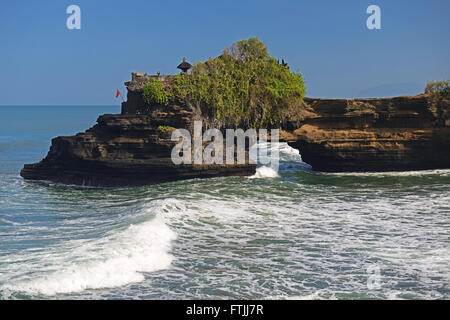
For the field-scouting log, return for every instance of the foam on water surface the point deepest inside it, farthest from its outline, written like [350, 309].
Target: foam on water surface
[286, 234]
[119, 258]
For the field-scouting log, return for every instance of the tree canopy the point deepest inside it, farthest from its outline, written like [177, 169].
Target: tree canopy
[244, 86]
[438, 88]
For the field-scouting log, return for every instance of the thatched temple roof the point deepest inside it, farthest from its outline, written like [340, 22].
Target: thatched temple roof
[185, 66]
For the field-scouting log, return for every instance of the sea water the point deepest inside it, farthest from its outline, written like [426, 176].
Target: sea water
[292, 234]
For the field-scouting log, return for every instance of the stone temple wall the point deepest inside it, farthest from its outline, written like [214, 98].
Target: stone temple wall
[135, 103]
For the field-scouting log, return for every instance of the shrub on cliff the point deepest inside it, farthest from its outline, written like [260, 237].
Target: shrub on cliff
[165, 129]
[153, 92]
[438, 88]
[244, 86]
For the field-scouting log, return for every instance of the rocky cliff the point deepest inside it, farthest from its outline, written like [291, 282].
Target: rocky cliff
[132, 148]
[387, 134]
[401, 133]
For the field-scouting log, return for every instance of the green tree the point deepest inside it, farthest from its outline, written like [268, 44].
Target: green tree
[244, 86]
[438, 88]
[153, 92]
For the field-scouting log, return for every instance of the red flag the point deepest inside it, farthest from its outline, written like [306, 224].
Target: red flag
[117, 93]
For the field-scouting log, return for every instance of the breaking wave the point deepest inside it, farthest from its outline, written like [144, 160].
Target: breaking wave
[119, 258]
[265, 172]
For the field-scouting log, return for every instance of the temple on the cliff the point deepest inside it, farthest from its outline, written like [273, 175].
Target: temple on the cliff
[139, 78]
[334, 135]
[184, 66]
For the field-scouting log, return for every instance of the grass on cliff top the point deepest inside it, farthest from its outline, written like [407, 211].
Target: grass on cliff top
[438, 88]
[244, 87]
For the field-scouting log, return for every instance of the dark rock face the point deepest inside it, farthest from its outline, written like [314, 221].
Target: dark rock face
[127, 149]
[402, 133]
[120, 150]
[388, 134]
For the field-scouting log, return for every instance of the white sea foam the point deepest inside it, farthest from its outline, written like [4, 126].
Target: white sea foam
[318, 295]
[6, 221]
[265, 172]
[441, 172]
[118, 259]
[264, 152]
[272, 153]
[287, 149]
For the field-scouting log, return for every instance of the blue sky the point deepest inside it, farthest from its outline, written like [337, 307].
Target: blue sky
[44, 63]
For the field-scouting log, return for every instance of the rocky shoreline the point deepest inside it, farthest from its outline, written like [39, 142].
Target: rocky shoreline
[386, 134]
[124, 150]
[127, 149]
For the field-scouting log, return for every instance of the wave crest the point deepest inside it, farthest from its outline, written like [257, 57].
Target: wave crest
[118, 259]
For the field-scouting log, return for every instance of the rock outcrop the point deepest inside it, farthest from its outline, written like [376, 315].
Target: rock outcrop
[128, 149]
[387, 134]
[134, 147]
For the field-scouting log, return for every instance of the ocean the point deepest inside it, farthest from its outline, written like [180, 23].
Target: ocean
[295, 234]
